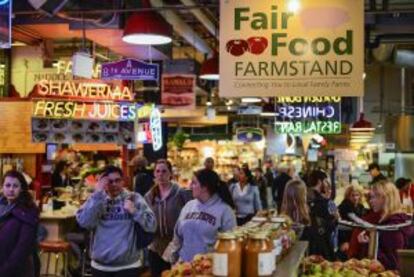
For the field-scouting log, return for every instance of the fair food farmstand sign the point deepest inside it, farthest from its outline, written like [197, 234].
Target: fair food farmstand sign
[267, 50]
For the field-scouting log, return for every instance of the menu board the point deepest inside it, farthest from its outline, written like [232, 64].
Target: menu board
[46, 130]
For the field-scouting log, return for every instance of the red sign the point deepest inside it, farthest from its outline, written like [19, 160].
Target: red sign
[178, 90]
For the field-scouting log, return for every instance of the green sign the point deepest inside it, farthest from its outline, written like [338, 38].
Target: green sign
[308, 127]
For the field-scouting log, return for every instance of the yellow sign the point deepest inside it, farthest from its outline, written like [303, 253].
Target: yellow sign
[90, 110]
[291, 48]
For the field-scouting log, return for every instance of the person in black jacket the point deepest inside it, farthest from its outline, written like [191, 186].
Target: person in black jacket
[60, 176]
[375, 172]
[143, 178]
[352, 203]
[323, 222]
[279, 184]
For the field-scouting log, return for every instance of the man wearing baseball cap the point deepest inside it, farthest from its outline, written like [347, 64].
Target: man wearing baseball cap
[374, 171]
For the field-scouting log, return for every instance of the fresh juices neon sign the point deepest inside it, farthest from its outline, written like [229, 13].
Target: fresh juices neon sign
[122, 111]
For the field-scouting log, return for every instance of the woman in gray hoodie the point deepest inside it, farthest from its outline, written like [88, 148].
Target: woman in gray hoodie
[201, 219]
[166, 199]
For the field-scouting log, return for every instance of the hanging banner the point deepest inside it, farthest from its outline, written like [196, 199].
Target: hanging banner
[178, 90]
[5, 23]
[130, 69]
[291, 48]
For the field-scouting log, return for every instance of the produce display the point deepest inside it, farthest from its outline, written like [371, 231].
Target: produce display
[317, 266]
[202, 265]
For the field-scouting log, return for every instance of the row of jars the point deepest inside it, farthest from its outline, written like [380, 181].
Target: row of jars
[251, 250]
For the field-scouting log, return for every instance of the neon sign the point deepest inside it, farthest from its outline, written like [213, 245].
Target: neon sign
[83, 91]
[308, 127]
[156, 129]
[308, 115]
[122, 111]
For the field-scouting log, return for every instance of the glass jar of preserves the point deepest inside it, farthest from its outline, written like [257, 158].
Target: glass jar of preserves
[227, 250]
[259, 259]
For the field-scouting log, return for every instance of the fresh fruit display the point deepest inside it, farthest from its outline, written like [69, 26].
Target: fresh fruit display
[317, 266]
[202, 265]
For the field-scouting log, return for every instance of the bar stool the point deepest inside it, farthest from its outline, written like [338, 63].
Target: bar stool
[58, 248]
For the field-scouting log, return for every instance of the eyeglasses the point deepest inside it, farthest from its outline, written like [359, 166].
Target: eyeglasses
[112, 181]
[161, 170]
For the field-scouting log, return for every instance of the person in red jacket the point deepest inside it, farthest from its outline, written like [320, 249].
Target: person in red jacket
[385, 199]
[406, 189]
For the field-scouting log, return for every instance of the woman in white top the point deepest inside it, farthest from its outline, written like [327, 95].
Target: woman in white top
[246, 197]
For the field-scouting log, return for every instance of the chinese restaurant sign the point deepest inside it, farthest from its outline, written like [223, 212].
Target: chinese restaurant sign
[130, 69]
[178, 90]
[308, 115]
[268, 50]
[5, 23]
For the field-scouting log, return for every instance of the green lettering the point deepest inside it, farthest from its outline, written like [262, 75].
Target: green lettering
[294, 43]
[326, 46]
[238, 18]
[345, 42]
[276, 43]
[285, 18]
[259, 21]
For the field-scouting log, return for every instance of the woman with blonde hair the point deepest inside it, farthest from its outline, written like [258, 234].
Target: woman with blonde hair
[385, 199]
[294, 204]
[352, 204]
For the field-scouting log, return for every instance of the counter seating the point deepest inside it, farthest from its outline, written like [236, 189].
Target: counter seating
[58, 248]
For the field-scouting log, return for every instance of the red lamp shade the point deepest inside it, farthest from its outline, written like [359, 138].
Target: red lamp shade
[147, 28]
[362, 123]
[210, 69]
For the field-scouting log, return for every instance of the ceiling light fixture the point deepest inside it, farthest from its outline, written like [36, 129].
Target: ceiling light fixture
[147, 28]
[251, 100]
[210, 69]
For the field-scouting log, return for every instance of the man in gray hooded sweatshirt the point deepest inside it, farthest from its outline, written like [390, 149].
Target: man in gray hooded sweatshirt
[111, 213]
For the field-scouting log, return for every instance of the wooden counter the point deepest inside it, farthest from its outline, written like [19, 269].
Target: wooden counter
[289, 265]
[57, 224]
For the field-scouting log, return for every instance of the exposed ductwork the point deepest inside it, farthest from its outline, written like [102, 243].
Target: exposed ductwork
[183, 29]
[202, 18]
[58, 7]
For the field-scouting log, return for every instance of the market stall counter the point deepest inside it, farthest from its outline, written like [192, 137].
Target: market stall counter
[289, 265]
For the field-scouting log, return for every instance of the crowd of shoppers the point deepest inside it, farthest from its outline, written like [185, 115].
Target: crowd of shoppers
[182, 223]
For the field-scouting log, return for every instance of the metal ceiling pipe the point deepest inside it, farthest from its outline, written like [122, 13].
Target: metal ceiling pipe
[183, 29]
[210, 26]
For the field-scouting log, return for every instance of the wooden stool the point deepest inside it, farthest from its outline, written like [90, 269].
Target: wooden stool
[58, 248]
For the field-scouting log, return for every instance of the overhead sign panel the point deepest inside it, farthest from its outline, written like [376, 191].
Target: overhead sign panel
[130, 69]
[268, 49]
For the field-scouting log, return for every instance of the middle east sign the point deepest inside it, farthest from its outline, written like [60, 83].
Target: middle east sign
[268, 48]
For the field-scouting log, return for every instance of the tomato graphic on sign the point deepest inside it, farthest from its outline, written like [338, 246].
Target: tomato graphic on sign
[237, 47]
[257, 45]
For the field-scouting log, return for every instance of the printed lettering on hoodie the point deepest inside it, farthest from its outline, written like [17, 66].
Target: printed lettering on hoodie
[201, 216]
[115, 211]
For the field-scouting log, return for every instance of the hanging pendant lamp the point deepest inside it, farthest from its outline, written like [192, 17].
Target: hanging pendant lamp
[147, 28]
[210, 68]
